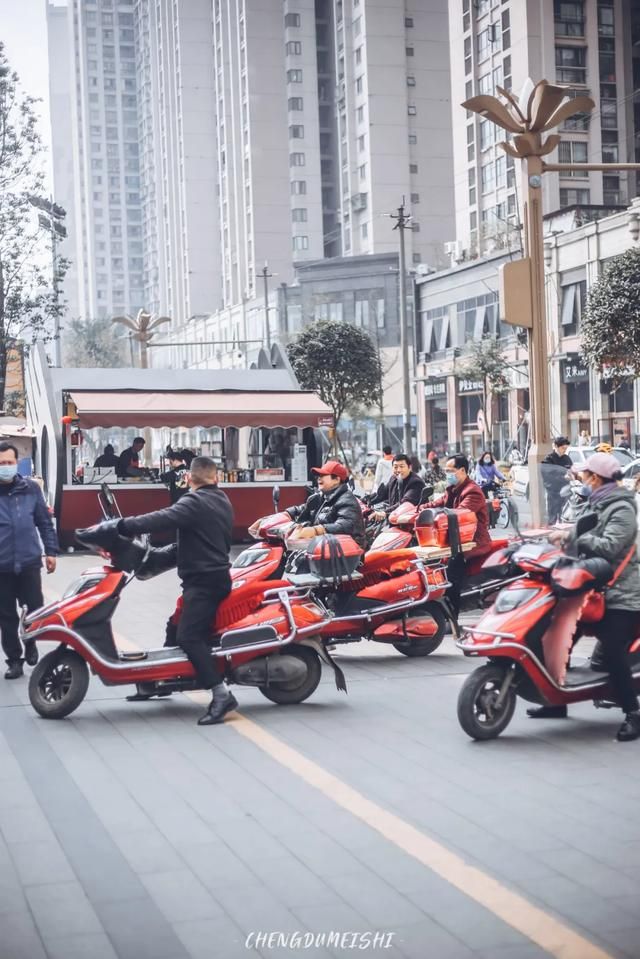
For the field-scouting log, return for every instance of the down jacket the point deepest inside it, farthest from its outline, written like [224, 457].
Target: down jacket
[339, 513]
[24, 515]
[612, 539]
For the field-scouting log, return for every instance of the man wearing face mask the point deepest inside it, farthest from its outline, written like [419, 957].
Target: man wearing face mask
[26, 531]
[203, 519]
[463, 493]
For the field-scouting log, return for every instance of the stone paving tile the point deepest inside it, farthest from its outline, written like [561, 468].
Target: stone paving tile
[375, 899]
[62, 909]
[428, 940]
[147, 850]
[138, 930]
[19, 936]
[180, 896]
[82, 946]
[41, 862]
[254, 908]
[206, 938]
[216, 865]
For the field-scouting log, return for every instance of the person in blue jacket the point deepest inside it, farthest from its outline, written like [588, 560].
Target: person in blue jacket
[26, 532]
[487, 475]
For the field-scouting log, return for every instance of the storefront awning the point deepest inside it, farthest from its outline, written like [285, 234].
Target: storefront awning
[173, 409]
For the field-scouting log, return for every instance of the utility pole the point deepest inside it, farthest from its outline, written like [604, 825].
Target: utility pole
[402, 223]
[51, 218]
[266, 276]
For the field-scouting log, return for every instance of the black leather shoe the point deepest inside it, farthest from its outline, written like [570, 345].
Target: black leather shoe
[630, 728]
[15, 670]
[218, 710]
[547, 712]
[31, 654]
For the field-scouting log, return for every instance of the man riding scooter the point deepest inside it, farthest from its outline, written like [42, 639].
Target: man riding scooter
[336, 511]
[463, 493]
[405, 486]
[203, 519]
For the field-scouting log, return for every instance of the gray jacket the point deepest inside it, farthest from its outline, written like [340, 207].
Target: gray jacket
[612, 539]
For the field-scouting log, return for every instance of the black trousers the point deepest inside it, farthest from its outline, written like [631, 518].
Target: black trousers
[615, 631]
[201, 596]
[456, 568]
[555, 505]
[17, 589]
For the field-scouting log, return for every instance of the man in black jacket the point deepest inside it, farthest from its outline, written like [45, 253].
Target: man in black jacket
[336, 510]
[203, 519]
[405, 486]
[554, 468]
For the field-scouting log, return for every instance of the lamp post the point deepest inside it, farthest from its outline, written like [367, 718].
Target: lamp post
[540, 108]
[402, 223]
[266, 276]
[51, 218]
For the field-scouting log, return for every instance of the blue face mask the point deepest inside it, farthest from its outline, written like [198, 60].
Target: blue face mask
[452, 479]
[8, 472]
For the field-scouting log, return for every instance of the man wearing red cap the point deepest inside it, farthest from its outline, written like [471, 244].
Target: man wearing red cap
[336, 510]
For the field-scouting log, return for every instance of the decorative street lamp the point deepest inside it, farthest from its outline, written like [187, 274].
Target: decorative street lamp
[144, 327]
[540, 108]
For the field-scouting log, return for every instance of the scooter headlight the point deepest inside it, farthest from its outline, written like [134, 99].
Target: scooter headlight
[510, 599]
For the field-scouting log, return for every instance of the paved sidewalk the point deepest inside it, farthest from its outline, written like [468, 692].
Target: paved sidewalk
[127, 831]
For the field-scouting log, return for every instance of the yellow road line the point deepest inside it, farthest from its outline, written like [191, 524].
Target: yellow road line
[549, 933]
[540, 927]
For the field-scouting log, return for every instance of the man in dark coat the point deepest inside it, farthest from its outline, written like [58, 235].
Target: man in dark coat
[336, 510]
[26, 531]
[203, 520]
[554, 469]
[405, 486]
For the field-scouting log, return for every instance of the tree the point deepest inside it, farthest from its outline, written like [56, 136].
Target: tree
[339, 363]
[486, 364]
[92, 343]
[610, 325]
[29, 301]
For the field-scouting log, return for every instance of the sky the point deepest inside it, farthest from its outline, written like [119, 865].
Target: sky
[23, 30]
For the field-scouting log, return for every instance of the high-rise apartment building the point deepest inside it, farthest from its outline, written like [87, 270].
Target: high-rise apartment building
[178, 156]
[103, 107]
[581, 44]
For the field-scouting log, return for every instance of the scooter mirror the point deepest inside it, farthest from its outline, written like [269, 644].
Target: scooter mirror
[276, 496]
[586, 523]
[426, 494]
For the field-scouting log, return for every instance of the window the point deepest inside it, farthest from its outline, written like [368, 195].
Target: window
[506, 31]
[467, 55]
[300, 243]
[362, 171]
[409, 51]
[569, 18]
[415, 226]
[506, 64]
[605, 21]
[296, 132]
[408, 21]
[362, 313]
[501, 171]
[411, 81]
[412, 110]
[488, 177]
[294, 47]
[299, 215]
[364, 230]
[359, 84]
[413, 168]
[415, 197]
[487, 134]
[360, 115]
[357, 26]
[611, 190]
[294, 76]
[296, 159]
[610, 153]
[571, 64]
[484, 84]
[574, 296]
[607, 63]
[413, 139]
[570, 151]
[296, 103]
[358, 56]
[361, 142]
[571, 197]
[292, 20]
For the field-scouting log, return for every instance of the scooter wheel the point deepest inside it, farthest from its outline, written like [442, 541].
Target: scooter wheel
[424, 647]
[477, 712]
[58, 684]
[288, 693]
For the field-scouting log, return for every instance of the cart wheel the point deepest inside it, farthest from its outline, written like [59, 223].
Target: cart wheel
[504, 516]
[477, 712]
[58, 684]
[423, 647]
[288, 693]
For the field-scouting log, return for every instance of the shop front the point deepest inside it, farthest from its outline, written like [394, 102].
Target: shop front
[470, 393]
[436, 414]
[575, 383]
[618, 428]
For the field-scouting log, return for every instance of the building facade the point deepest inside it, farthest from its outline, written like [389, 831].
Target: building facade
[106, 208]
[462, 304]
[585, 45]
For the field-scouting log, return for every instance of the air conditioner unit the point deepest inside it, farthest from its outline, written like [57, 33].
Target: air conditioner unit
[359, 202]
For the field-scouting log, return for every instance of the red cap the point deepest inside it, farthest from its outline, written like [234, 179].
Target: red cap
[332, 468]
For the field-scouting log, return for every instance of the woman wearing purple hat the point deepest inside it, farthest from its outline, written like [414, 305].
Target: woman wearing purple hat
[613, 539]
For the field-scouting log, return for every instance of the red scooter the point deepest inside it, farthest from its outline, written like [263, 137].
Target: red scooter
[527, 637]
[265, 635]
